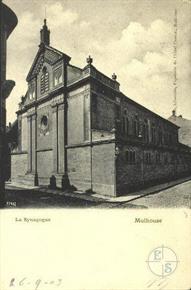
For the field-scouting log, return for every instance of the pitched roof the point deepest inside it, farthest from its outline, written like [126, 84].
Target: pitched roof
[48, 53]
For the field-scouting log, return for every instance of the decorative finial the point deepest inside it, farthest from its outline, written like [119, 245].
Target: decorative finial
[45, 11]
[45, 35]
[114, 77]
[89, 60]
[22, 99]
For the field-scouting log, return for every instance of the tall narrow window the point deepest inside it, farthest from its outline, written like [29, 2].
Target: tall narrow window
[31, 92]
[44, 81]
[125, 124]
[57, 76]
[136, 126]
[160, 136]
[131, 157]
[145, 131]
[153, 134]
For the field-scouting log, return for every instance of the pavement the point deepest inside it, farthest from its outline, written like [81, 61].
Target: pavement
[31, 196]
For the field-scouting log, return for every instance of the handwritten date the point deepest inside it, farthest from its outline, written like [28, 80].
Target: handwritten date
[35, 284]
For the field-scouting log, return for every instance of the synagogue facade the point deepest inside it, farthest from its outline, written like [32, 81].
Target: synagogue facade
[76, 126]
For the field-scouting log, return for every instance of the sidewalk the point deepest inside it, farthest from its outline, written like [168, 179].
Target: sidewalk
[99, 198]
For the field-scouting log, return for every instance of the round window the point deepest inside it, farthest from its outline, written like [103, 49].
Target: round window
[44, 121]
[44, 125]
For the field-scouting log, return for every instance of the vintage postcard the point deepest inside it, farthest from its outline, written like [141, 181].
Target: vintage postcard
[95, 144]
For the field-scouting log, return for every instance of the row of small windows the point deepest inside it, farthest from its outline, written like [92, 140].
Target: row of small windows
[141, 129]
[131, 157]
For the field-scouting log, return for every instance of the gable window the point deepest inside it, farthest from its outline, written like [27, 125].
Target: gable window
[57, 76]
[44, 81]
[31, 92]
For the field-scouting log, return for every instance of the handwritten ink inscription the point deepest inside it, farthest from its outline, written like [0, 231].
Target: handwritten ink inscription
[34, 284]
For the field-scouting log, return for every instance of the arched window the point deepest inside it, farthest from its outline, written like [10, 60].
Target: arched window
[58, 76]
[31, 92]
[125, 124]
[136, 126]
[131, 157]
[145, 133]
[44, 81]
[153, 134]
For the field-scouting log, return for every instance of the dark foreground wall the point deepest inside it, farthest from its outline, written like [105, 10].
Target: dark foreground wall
[137, 167]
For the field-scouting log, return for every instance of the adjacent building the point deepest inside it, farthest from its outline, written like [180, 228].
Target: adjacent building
[76, 127]
[8, 22]
[184, 132]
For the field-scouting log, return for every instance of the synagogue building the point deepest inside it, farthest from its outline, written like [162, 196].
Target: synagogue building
[77, 128]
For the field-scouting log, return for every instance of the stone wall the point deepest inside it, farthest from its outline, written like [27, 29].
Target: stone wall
[103, 169]
[79, 167]
[44, 135]
[74, 73]
[18, 165]
[103, 112]
[44, 166]
[93, 168]
[24, 132]
[78, 115]
[141, 173]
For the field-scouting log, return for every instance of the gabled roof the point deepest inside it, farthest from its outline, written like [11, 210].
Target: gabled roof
[48, 54]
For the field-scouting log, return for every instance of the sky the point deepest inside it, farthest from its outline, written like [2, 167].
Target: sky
[133, 38]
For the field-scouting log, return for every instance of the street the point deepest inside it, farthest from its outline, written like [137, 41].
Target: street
[176, 196]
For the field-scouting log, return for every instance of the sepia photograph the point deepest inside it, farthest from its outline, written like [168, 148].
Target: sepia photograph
[95, 144]
[95, 104]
